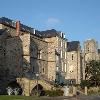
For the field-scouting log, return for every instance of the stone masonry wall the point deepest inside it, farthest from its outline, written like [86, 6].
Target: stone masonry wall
[73, 66]
[39, 56]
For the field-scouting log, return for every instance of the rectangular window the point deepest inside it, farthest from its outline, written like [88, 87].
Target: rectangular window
[62, 66]
[88, 49]
[57, 58]
[43, 70]
[61, 54]
[61, 43]
[65, 44]
[72, 57]
[40, 54]
[65, 68]
[65, 54]
[57, 68]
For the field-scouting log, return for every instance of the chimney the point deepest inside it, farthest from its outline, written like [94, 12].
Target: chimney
[34, 31]
[17, 28]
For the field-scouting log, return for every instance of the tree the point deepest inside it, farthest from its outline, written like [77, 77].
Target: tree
[93, 73]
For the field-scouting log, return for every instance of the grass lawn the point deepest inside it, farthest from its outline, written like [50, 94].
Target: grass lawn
[13, 97]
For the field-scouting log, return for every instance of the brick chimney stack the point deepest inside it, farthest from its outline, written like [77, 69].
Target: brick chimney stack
[17, 28]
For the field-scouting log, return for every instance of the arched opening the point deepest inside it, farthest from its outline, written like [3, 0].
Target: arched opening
[15, 87]
[38, 89]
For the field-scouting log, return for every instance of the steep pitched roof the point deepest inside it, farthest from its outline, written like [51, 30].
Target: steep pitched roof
[48, 33]
[41, 34]
[72, 46]
[12, 23]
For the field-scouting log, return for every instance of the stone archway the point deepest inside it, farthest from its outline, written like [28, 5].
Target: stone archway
[38, 88]
[15, 85]
[27, 85]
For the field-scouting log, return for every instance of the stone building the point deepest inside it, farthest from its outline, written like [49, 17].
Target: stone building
[74, 62]
[25, 53]
[91, 52]
[57, 54]
[28, 51]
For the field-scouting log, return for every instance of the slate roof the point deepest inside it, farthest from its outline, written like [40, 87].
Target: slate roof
[1, 31]
[48, 33]
[12, 23]
[72, 46]
[41, 34]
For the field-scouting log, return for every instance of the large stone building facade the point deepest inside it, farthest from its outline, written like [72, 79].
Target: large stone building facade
[25, 51]
[28, 51]
[57, 51]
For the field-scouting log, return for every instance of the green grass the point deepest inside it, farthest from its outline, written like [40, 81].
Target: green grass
[13, 97]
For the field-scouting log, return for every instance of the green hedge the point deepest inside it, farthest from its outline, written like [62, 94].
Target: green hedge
[53, 93]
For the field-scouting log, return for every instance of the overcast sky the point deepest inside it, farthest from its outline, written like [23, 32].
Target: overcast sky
[78, 19]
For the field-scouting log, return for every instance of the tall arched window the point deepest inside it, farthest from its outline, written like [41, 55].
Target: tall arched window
[42, 70]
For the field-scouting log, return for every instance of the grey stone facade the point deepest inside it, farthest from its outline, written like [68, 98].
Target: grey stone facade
[26, 51]
[74, 63]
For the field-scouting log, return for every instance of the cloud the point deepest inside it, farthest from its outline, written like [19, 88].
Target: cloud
[52, 21]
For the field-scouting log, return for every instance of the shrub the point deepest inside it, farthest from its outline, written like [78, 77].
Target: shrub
[85, 83]
[93, 90]
[53, 93]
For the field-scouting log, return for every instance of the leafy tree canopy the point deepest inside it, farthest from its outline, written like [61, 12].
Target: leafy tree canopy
[93, 72]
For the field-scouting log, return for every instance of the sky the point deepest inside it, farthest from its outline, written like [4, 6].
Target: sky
[78, 19]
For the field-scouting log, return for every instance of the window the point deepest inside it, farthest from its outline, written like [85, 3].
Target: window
[65, 44]
[62, 66]
[57, 58]
[61, 43]
[33, 68]
[57, 68]
[65, 54]
[40, 54]
[43, 70]
[13, 23]
[61, 54]
[52, 77]
[72, 57]
[65, 68]
[88, 49]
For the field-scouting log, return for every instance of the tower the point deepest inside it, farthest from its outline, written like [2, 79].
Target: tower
[90, 50]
